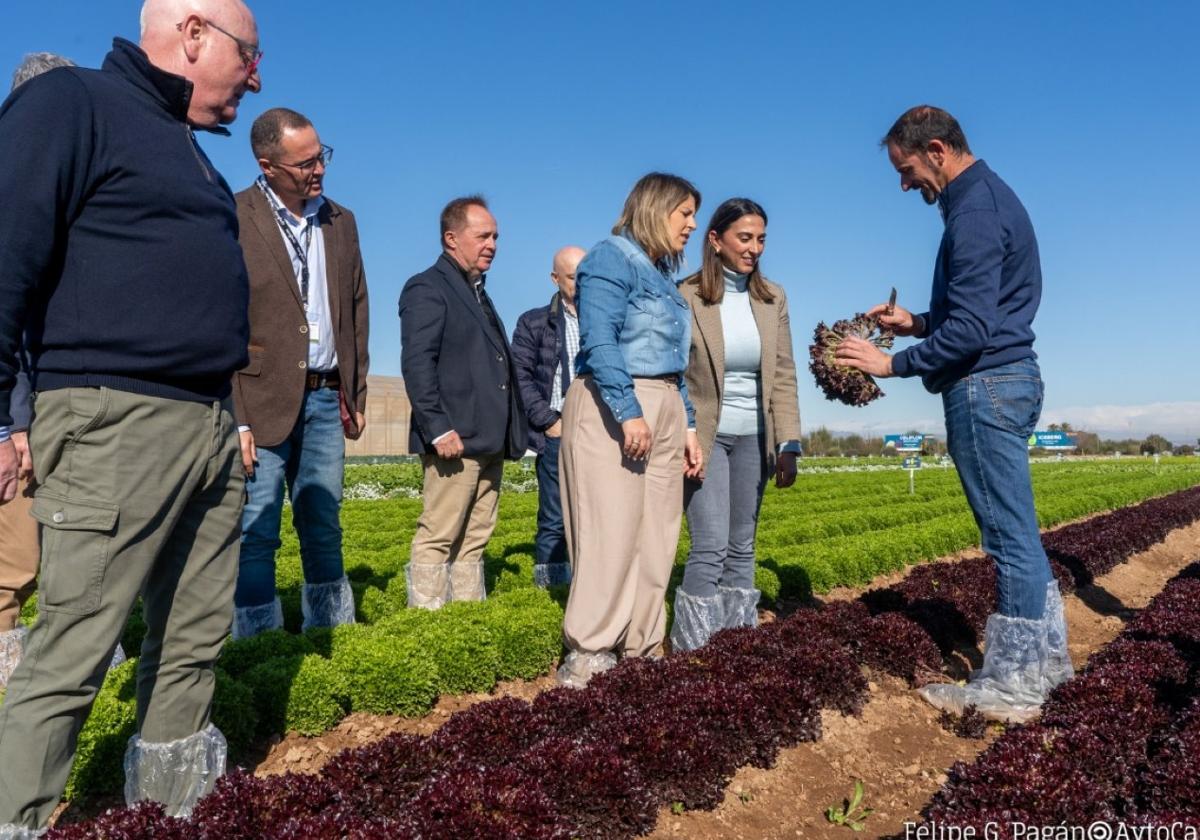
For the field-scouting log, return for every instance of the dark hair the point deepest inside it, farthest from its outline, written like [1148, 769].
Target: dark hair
[267, 132]
[710, 278]
[454, 214]
[921, 124]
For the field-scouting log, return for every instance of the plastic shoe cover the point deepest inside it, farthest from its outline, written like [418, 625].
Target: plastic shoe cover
[1058, 658]
[578, 667]
[428, 585]
[741, 606]
[551, 574]
[12, 648]
[696, 618]
[250, 621]
[176, 773]
[8, 831]
[327, 604]
[466, 581]
[118, 657]
[1010, 686]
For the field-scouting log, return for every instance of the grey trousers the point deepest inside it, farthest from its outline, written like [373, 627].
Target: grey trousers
[722, 516]
[138, 495]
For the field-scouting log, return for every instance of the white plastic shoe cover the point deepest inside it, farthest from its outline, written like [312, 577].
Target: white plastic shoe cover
[741, 606]
[175, 773]
[12, 648]
[1011, 684]
[578, 668]
[1058, 658]
[551, 574]
[696, 618]
[466, 581]
[8, 831]
[250, 621]
[327, 604]
[428, 585]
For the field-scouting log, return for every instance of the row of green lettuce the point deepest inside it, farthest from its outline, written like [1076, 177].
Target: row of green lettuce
[399, 661]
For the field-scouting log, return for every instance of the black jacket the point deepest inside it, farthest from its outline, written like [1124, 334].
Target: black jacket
[457, 368]
[538, 350]
[119, 250]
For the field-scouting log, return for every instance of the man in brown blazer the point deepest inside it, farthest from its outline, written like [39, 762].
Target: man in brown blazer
[305, 388]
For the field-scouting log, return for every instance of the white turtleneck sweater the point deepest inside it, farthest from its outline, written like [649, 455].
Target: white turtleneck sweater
[741, 403]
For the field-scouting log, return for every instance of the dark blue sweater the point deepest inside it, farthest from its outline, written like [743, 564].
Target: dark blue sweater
[986, 285]
[118, 238]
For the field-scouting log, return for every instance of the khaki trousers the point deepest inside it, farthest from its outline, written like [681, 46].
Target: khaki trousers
[137, 495]
[621, 518]
[462, 500]
[18, 555]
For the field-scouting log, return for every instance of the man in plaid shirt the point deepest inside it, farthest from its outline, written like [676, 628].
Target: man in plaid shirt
[544, 347]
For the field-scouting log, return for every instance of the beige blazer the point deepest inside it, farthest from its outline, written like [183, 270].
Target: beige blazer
[706, 369]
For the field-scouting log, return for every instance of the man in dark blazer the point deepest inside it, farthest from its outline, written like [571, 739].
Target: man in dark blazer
[466, 412]
[305, 388]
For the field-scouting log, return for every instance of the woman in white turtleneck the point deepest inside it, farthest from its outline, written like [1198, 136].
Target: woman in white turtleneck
[742, 380]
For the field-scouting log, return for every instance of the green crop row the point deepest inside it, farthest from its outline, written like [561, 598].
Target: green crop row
[399, 665]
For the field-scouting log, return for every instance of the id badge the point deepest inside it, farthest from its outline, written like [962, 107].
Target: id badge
[314, 332]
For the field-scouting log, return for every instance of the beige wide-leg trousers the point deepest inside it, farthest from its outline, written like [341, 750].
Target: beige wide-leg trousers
[621, 518]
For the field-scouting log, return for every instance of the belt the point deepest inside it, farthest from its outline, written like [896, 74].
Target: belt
[663, 377]
[317, 379]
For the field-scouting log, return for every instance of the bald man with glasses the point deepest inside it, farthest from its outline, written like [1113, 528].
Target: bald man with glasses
[121, 259]
[305, 389]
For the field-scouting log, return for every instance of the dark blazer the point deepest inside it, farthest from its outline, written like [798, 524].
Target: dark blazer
[22, 393]
[269, 391]
[457, 369]
[538, 349]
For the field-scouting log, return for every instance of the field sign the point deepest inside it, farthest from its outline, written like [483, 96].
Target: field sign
[1052, 440]
[904, 443]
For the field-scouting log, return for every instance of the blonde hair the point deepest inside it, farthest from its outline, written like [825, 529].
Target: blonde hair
[644, 218]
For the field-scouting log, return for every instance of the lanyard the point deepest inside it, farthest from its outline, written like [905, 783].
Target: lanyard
[300, 252]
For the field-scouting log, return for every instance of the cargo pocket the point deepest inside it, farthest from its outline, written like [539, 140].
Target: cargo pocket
[76, 539]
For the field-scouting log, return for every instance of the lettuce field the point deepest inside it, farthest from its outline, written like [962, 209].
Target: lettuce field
[499, 768]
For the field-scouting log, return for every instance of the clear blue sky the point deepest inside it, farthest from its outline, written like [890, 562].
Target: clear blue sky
[553, 109]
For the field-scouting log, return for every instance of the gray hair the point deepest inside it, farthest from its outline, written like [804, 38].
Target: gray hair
[35, 64]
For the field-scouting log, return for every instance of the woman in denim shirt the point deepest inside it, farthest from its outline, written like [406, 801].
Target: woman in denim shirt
[628, 431]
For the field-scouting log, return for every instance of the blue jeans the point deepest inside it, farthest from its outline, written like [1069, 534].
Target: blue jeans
[722, 516]
[311, 461]
[550, 544]
[989, 417]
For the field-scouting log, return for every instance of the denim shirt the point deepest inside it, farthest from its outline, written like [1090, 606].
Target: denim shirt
[632, 322]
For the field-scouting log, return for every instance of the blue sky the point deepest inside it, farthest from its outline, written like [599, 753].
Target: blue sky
[553, 110]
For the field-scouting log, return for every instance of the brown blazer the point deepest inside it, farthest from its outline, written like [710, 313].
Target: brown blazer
[706, 369]
[268, 392]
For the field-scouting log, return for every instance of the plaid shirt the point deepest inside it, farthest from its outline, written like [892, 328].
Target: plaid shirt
[571, 319]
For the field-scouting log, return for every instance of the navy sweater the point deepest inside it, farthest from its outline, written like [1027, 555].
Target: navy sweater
[118, 238]
[986, 285]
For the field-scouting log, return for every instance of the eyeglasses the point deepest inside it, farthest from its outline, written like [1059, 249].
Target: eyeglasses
[325, 157]
[250, 54]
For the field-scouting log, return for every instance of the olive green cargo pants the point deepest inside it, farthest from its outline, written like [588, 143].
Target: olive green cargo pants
[137, 496]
